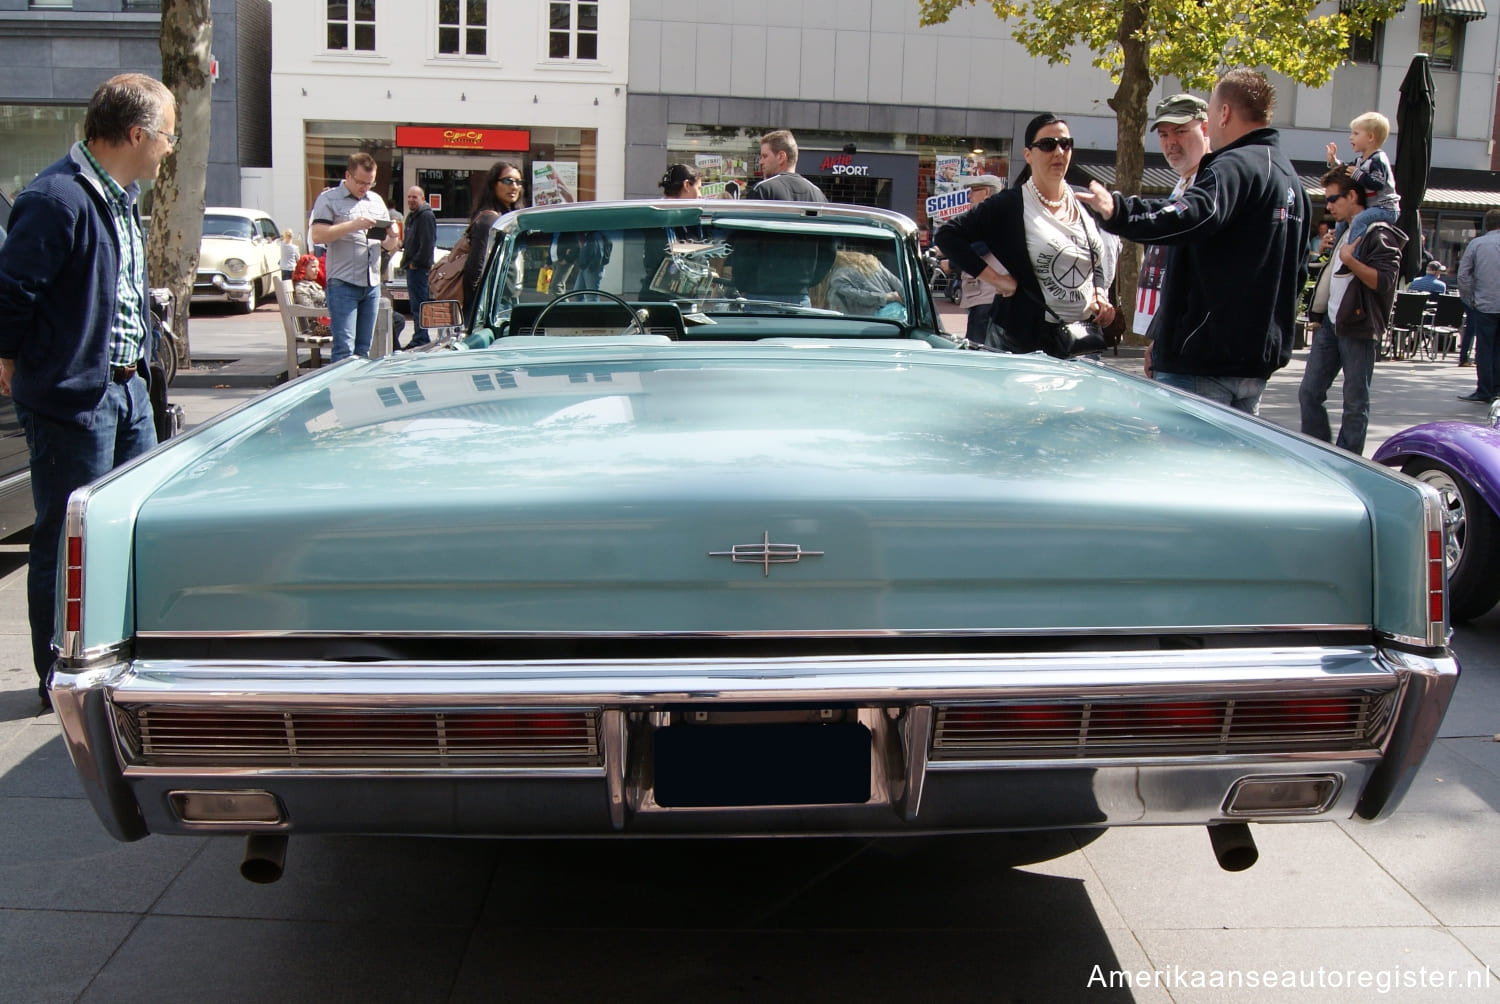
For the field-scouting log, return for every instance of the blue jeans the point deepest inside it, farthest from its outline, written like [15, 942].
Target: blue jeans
[1486, 366]
[1361, 223]
[1466, 340]
[1329, 354]
[351, 318]
[65, 456]
[1240, 393]
[416, 291]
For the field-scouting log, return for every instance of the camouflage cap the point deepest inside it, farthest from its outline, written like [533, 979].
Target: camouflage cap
[1178, 109]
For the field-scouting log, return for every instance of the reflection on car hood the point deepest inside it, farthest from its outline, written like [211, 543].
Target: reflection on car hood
[590, 489]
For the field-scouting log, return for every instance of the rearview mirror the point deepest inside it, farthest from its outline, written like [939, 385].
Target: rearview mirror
[442, 314]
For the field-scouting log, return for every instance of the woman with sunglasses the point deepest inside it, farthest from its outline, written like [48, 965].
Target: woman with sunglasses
[1057, 264]
[502, 192]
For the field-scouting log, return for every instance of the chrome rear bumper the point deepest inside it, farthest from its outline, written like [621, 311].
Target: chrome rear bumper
[385, 776]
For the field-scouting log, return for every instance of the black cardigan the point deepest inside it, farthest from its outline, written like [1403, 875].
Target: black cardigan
[999, 223]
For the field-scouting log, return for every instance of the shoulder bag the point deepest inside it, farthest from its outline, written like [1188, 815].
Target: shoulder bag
[446, 280]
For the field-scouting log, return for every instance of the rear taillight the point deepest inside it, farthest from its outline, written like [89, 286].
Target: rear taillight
[1437, 578]
[73, 588]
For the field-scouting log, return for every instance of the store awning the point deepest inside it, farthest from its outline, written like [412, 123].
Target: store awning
[1460, 198]
[1464, 10]
[1161, 180]
[1154, 180]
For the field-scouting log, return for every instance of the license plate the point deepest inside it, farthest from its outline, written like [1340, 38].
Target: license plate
[771, 764]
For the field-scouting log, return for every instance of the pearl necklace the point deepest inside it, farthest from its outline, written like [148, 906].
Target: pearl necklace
[1052, 204]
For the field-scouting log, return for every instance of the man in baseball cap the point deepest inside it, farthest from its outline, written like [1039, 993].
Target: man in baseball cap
[1431, 281]
[1181, 125]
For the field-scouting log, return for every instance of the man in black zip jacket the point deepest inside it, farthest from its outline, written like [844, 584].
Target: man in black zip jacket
[1238, 239]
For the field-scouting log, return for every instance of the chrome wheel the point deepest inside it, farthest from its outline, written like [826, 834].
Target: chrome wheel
[1471, 541]
[1455, 524]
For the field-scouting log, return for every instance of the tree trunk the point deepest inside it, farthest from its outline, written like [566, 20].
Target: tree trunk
[1130, 106]
[177, 205]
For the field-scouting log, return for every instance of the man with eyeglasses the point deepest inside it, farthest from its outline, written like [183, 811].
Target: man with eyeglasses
[1353, 305]
[355, 225]
[1228, 310]
[75, 317]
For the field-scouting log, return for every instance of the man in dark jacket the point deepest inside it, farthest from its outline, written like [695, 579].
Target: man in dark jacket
[417, 247]
[1239, 238]
[1355, 309]
[778, 168]
[75, 317]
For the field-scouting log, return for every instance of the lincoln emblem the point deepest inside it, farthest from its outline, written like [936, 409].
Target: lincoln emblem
[765, 554]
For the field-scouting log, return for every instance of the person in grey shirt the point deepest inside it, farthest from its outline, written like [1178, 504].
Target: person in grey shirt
[355, 225]
[1479, 285]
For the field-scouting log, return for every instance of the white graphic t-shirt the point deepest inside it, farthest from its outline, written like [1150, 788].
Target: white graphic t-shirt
[1072, 259]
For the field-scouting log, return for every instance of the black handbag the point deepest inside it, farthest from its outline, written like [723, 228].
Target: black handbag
[1066, 339]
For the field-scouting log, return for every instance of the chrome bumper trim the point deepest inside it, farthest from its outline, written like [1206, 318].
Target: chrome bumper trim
[887, 679]
[894, 695]
[854, 634]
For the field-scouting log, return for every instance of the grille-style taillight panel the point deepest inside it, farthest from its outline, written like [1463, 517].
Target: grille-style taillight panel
[1337, 723]
[186, 735]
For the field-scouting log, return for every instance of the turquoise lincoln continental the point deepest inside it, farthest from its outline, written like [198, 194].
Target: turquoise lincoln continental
[698, 525]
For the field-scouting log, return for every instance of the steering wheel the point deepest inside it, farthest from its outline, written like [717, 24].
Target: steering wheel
[635, 320]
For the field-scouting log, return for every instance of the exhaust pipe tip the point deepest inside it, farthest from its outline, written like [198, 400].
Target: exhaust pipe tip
[265, 858]
[1234, 847]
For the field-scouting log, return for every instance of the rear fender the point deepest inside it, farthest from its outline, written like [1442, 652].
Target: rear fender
[1472, 451]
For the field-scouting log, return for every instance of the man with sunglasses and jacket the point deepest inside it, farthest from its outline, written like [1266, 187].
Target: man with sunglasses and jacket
[1239, 236]
[1354, 308]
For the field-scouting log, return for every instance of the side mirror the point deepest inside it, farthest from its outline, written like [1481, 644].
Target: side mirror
[442, 314]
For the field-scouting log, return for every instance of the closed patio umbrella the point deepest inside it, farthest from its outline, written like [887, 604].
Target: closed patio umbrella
[1413, 157]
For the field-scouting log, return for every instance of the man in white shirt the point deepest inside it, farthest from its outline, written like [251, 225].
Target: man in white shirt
[1181, 125]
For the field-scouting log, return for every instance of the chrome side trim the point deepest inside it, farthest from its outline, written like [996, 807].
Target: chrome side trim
[856, 633]
[918, 739]
[613, 743]
[372, 773]
[1432, 508]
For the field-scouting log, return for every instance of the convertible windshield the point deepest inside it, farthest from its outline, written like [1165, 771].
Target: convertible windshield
[228, 226]
[709, 265]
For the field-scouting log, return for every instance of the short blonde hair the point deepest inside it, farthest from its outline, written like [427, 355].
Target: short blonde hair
[1375, 124]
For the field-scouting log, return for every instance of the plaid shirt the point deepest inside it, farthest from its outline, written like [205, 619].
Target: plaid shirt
[127, 333]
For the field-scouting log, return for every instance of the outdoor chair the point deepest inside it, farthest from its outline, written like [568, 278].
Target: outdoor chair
[1446, 325]
[1408, 321]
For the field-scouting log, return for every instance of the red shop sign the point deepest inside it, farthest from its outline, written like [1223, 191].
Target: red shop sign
[463, 138]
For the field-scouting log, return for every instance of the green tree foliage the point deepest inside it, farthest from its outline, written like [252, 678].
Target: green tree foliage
[1140, 42]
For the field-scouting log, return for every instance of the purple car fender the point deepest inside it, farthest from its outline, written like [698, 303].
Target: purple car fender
[1472, 451]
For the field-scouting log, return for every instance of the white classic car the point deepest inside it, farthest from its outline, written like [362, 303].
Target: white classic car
[239, 256]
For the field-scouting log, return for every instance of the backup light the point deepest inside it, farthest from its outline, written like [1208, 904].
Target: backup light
[211, 807]
[1277, 795]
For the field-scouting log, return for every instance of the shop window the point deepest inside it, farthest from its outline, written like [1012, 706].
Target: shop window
[463, 27]
[1366, 48]
[572, 29]
[351, 25]
[51, 4]
[143, 5]
[1441, 36]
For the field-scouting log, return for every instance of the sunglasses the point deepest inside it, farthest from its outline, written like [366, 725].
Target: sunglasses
[1050, 144]
[509, 181]
[1330, 200]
